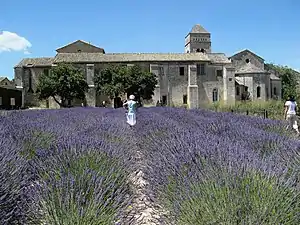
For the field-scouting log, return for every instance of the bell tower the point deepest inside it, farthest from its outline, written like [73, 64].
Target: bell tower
[198, 40]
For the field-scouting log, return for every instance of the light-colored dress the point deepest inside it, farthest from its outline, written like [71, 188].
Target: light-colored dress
[291, 116]
[131, 115]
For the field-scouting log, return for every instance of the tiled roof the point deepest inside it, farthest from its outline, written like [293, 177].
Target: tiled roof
[198, 29]
[249, 68]
[129, 57]
[218, 58]
[36, 62]
[2, 78]
[274, 77]
[124, 57]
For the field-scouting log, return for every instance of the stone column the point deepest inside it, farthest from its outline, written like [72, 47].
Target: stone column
[228, 85]
[18, 80]
[21, 88]
[91, 94]
[154, 68]
[192, 92]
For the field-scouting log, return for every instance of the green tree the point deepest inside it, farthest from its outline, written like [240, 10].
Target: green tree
[289, 79]
[117, 79]
[111, 81]
[141, 83]
[64, 81]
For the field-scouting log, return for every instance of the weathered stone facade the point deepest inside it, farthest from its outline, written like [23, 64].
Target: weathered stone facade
[194, 78]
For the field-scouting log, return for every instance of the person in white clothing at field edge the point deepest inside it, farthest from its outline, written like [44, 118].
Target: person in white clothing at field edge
[131, 105]
[290, 114]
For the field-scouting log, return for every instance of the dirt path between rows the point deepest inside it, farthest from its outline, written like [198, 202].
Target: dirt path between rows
[143, 211]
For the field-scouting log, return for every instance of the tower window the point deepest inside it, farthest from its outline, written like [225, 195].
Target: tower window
[202, 50]
[78, 50]
[198, 50]
[184, 99]
[181, 71]
[247, 60]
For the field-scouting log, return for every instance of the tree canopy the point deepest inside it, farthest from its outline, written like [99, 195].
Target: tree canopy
[119, 79]
[64, 81]
[289, 79]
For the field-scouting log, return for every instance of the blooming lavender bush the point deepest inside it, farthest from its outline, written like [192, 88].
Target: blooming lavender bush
[72, 166]
[220, 168]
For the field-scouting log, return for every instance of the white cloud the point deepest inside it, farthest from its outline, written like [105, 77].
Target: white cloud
[13, 42]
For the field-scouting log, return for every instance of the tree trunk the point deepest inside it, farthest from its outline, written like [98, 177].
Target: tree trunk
[62, 104]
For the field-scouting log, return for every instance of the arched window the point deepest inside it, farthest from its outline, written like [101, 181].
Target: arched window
[258, 91]
[202, 50]
[198, 50]
[237, 90]
[275, 91]
[215, 95]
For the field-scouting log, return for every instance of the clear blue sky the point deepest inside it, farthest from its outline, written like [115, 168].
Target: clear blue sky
[269, 28]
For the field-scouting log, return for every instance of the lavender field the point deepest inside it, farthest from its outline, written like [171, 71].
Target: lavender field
[80, 167]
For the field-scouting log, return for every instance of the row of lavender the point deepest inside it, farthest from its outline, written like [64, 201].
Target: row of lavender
[64, 167]
[71, 167]
[221, 168]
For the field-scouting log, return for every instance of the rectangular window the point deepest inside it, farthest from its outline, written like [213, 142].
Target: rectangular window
[0, 100]
[181, 71]
[184, 99]
[201, 69]
[198, 69]
[220, 73]
[12, 102]
[46, 71]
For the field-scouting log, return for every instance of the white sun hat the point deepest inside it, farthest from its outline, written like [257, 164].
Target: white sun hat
[131, 97]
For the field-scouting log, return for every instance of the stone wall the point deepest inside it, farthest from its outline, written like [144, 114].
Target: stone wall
[172, 84]
[241, 59]
[253, 81]
[275, 89]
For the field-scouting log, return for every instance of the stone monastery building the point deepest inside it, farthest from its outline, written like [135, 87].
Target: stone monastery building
[196, 77]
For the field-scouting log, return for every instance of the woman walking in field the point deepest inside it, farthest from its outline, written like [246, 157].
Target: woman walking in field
[290, 114]
[131, 106]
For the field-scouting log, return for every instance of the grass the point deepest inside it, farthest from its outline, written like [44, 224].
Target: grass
[275, 109]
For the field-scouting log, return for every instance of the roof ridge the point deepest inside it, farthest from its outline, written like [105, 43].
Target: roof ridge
[198, 29]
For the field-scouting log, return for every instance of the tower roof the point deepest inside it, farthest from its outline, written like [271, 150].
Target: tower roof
[198, 29]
